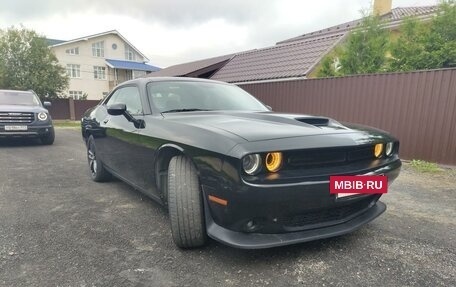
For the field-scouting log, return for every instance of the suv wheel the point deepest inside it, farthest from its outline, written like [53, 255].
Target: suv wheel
[48, 139]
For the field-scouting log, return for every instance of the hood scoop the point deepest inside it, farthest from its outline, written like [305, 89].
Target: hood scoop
[318, 122]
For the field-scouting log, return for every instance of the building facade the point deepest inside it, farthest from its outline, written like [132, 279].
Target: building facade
[97, 63]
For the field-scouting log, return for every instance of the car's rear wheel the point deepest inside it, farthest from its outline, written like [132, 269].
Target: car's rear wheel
[185, 204]
[98, 172]
[49, 138]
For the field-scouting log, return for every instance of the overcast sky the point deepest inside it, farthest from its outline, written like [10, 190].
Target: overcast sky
[170, 32]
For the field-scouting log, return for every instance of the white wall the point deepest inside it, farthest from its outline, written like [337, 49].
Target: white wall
[87, 83]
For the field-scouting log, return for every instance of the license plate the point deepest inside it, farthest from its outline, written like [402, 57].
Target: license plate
[344, 186]
[15, 128]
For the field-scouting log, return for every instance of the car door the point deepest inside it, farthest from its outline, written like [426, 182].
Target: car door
[120, 148]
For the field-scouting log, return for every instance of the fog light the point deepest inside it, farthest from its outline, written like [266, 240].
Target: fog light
[251, 226]
[378, 150]
[273, 161]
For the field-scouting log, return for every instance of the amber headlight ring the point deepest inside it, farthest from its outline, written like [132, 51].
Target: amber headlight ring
[378, 150]
[273, 161]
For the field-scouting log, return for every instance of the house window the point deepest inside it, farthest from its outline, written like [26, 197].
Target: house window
[99, 72]
[98, 49]
[72, 51]
[74, 71]
[129, 53]
[75, 95]
[138, 74]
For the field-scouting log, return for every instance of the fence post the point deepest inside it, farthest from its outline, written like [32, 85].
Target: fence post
[71, 108]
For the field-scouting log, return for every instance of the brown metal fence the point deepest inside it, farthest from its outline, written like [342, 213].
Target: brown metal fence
[419, 107]
[69, 109]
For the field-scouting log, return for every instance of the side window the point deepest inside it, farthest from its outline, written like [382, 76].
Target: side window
[128, 96]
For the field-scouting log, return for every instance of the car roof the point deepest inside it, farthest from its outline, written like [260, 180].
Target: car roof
[146, 80]
[16, 92]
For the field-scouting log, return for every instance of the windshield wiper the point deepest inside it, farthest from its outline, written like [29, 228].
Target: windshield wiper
[183, 110]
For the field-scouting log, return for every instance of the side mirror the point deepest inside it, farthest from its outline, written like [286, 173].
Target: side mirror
[47, 104]
[117, 109]
[269, 107]
[121, 109]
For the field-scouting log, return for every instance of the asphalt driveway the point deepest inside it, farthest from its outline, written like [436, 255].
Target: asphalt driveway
[58, 228]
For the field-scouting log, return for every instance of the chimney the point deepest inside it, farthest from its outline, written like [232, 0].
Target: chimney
[382, 7]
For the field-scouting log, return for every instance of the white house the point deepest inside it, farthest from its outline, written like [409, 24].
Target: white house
[97, 63]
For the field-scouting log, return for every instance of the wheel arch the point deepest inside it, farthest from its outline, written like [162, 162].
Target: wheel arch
[164, 155]
[85, 132]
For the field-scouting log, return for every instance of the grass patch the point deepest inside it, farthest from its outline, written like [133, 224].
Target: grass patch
[66, 124]
[424, 166]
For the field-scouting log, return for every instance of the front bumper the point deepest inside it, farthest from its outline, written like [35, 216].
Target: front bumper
[33, 131]
[260, 240]
[288, 213]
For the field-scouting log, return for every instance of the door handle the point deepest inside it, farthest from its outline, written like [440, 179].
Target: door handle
[105, 121]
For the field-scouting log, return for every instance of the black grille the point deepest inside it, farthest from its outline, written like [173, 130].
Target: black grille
[16, 118]
[324, 157]
[333, 214]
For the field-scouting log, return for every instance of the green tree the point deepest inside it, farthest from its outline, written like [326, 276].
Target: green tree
[26, 63]
[365, 48]
[441, 39]
[426, 45]
[420, 45]
[363, 51]
[328, 67]
[408, 52]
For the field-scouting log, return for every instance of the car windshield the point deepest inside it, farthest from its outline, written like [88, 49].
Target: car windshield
[18, 98]
[186, 96]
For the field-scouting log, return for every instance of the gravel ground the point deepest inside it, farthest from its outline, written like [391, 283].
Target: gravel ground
[58, 228]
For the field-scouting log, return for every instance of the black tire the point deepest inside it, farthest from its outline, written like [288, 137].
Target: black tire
[49, 138]
[97, 170]
[185, 204]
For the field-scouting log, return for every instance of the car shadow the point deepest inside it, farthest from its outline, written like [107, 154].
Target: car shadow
[19, 142]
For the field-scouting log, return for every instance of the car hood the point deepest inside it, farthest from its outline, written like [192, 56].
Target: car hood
[258, 126]
[24, 109]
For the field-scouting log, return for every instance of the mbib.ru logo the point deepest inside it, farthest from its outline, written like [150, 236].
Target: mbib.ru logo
[369, 184]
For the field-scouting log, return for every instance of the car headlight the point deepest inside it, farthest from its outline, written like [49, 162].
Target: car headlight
[273, 161]
[42, 116]
[389, 148]
[251, 164]
[378, 150]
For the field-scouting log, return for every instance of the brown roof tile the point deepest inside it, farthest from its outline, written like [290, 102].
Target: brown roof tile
[281, 61]
[401, 12]
[189, 68]
[396, 14]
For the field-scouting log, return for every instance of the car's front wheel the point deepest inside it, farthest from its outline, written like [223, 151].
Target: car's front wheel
[185, 204]
[49, 138]
[98, 172]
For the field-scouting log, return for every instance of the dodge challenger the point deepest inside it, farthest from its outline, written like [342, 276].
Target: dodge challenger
[226, 167]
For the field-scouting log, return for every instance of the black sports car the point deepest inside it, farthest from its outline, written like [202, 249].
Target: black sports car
[228, 167]
[23, 115]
